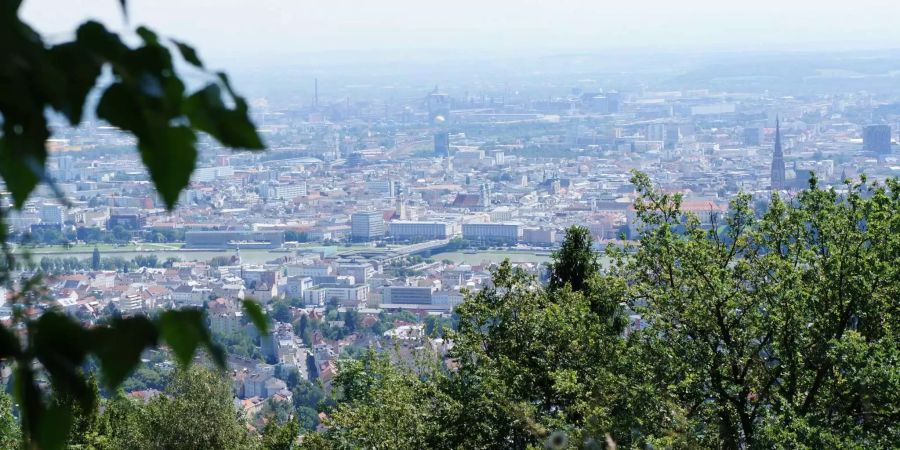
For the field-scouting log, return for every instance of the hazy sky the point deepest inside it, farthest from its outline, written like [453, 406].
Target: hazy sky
[266, 29]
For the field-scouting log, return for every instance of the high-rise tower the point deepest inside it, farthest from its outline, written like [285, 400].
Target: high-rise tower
[442, 143]
[438, 107]
[778, 181]
[877, 138]
[485, 195]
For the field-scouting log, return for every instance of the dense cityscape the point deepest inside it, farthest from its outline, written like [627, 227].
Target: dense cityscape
[376, 211]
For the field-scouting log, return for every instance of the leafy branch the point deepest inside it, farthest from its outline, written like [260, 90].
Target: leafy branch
[141, 93]
[145, 97]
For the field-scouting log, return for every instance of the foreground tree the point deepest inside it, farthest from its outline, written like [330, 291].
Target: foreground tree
[576, 262]
[196, 410]
[386, 406]
[10, 435]
[771, 330]
[576, 266]
[276, 436]
[781, 330]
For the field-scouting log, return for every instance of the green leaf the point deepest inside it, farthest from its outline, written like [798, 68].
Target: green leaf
[149, 37]
[120, 107]
[183, 330]
[53, 428]
[29, 83]
[257, 316]
[94, 37]
[216, 353]
[30, 400]
[81, 70]
[22, 157]
[119, 346]
[231, 127]
[223, 78]
[167, 151]
[188, 53]
[170, 157]
[61, 345]
[9, 343]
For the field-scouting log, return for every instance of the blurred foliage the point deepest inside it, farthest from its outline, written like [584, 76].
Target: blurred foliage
[141, 93]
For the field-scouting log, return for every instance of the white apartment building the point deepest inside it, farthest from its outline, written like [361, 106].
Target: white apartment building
[403, 230]
[497, 233]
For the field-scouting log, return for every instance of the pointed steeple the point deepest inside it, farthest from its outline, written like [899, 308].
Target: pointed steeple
[777, 174]
[779, 153]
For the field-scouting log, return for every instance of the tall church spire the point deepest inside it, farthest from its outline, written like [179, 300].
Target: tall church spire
[778, 159]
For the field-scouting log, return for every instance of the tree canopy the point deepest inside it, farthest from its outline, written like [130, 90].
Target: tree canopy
[757, 330]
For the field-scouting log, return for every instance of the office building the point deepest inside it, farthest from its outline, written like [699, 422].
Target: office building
[877, 138]
[388, 188]
[128, 221]
[438, 107]
[361, 272]
[407, 295]
[539, 236]
[753, 136]
[52, 214]
[234, 239]
[402, 230]
[367, 226]
[656, 132]
[492, 233]
[442, 144]
[286, 191]
[346, 295]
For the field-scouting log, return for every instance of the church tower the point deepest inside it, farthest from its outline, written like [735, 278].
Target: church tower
[778, 181]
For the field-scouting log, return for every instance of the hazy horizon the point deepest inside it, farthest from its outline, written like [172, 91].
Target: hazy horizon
[233, 33]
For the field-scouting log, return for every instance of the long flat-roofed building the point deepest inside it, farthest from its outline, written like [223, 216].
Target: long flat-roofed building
[234, 239]
[407, 295]
[505, 233]
[403, 230]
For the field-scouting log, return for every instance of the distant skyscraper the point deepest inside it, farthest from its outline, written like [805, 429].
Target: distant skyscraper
[52, 214]
[337, 146]
[367, 225]
[438, 107]
[877, 138]
[778, 181]
[442, 144]
[753, 136]
[356, 159]
[656, 132]
[66, 168]
[485, 195]
[673, 136]
[613, 98]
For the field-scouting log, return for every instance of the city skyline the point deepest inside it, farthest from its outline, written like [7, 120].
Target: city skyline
[409, 225]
